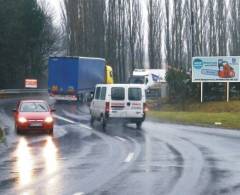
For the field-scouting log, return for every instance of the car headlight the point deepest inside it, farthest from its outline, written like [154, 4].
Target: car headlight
[22, 120]
[49, 119]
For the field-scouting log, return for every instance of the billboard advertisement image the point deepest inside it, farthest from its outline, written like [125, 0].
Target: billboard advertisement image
[215, 69]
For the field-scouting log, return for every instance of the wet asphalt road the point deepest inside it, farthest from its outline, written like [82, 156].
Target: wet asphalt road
[79, 159]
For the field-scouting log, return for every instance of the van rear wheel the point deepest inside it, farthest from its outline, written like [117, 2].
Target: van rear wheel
[103, 123]
[139, 125]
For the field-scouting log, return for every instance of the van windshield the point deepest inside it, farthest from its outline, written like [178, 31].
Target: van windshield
[117, 93]
[137, 80]
[134, 94]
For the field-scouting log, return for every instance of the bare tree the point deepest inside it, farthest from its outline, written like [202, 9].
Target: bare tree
[167, 34]
[177, 34]
[155, 33]
[234, 26]
[221, 27]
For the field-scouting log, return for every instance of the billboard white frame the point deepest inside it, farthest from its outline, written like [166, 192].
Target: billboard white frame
[212, 69]
[236, 70]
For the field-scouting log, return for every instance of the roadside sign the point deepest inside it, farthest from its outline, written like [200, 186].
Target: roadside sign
[216, 69]
[30, 83]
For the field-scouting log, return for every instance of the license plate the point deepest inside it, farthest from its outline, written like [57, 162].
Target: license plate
[36, 124]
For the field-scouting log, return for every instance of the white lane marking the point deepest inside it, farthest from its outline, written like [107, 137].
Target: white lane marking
[129, 157]
[79, 193]
[120, 138]
[63, 118]
[72, 122]
[85, 126]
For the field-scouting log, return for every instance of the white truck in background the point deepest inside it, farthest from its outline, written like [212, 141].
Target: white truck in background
[153, 79]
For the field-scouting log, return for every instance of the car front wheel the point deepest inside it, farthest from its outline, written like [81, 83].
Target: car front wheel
[50, 132]
[17, 130]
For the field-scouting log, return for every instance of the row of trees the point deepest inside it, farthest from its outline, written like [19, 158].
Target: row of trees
[110, 29]
[117, 29]
[213, 23]
[129, 34]
[27, 38]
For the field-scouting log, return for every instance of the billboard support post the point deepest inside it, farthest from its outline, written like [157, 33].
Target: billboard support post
[201, 92]
[227, 91]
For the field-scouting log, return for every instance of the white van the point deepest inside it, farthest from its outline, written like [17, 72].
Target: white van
[119, 101]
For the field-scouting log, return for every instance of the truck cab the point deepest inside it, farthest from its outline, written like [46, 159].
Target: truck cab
[148, 77]
[109, 74]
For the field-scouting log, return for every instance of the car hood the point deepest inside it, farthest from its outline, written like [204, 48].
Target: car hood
[34, 115]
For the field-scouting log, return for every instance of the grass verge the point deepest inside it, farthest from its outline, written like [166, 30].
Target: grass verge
[213, 107]
[226, 119]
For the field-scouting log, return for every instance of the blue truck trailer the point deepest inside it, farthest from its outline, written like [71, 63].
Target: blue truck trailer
[74, 78]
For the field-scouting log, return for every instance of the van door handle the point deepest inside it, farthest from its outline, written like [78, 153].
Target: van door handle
[128, 104]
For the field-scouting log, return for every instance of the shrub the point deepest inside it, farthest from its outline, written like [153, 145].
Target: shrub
[180, 86]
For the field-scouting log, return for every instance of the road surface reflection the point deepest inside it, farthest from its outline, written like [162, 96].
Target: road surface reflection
[30, 158]
[24, 162]
[50, 156]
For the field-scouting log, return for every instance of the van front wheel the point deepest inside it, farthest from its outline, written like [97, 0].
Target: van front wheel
[92, 120]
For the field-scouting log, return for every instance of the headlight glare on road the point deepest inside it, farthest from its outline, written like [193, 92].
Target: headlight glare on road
[22, 120]
[49, 119]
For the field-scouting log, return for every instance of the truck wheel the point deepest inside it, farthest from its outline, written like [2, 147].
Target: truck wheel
[139, 125]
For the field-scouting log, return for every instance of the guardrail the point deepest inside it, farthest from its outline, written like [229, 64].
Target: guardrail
[9, 93]
[22, 91]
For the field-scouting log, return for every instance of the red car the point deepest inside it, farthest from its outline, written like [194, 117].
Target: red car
[31, 115]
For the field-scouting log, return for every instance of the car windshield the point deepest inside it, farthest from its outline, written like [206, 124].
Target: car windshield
[34, 107]
[137, 80]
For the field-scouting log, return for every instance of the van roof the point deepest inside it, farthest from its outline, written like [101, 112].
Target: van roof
[32, 100]
[120, 85]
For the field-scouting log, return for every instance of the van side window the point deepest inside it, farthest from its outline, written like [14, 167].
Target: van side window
[103, 93]
[118, 93]
[97, 93]
[134, 94]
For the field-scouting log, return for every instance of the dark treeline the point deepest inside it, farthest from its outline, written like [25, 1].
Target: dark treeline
[118, 31]
[27, 38]
[115, 29]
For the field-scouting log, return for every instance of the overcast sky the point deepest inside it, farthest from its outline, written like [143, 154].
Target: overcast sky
[54, 6]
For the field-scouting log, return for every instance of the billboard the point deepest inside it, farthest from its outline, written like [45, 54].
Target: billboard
[30, 83]
[216, 69]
